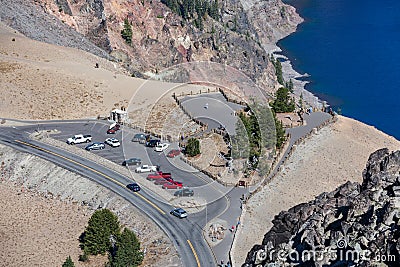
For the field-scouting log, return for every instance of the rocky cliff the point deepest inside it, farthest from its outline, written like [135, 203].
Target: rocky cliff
[239, 35]
[355, 225]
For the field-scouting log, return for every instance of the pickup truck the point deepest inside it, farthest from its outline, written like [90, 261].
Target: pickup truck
[79, 138]
[146, 168]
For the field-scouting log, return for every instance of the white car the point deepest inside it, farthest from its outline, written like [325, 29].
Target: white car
[161, 147]
[146, 168]
[113, 142]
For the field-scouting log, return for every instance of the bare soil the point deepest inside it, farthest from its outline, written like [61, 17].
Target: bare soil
[333, 156]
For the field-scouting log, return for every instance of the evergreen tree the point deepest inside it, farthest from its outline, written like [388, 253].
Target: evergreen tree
[193, 147]
[301, 100]
[289, 85]
[126, 33]
[283, 102]
[240, 141]
[280, 133]
[127, 250]
[103, 225]
[266, 124]
[278, 71]
[68, 262]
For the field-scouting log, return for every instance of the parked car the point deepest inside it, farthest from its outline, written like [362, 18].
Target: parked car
[154, 176]
[134, 187]
[113, 142]
[95, 146]
[179, 184]
[141, 138]
[161, 147]
[185, 192]
[146, 168]
[114, 129]
[164, 174]
[132, 161]
[173, 153]
[161, 181]
[179, 212]
[152, 143]
[79, 138]
[172, 185]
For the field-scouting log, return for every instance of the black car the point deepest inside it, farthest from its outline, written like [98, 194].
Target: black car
[134, 187]
[153, 143]
[132, 161]
[185, 192]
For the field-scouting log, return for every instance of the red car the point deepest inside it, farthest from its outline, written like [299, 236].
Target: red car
[172, 185]
[160, 181]
[173, 153]
[165, 174]
[154, 176]
[114, 129]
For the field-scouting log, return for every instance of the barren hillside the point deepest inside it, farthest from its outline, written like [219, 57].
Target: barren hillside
[333, 156]
[43, 81]
[241, 34]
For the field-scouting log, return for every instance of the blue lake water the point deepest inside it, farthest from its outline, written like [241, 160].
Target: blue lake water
[351, 49]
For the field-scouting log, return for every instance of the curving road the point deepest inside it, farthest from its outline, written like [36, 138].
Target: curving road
[186, 234]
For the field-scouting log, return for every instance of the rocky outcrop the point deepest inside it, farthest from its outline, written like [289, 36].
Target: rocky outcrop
[240, 37]
[353, 225]
[32, 19]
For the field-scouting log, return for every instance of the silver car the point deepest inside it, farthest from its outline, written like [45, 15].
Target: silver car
[179, 212]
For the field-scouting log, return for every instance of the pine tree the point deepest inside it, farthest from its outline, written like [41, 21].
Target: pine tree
[278, 71]
[283, 102]
[192, 147]
[103, 224]
[280, 133]
[68, 262]
[127, 250]
[301, 100]
[126, 33]
[240, 141]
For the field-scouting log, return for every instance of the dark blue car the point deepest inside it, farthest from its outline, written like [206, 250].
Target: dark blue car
[134, 187]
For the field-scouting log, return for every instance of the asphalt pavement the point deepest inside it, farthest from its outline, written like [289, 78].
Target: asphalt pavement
[186, 234]
[213, 109]
[223, 202]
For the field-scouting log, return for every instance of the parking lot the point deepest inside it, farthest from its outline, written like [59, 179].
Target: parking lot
[180, 171]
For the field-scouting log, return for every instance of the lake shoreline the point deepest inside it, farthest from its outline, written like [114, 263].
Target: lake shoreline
[300, 80]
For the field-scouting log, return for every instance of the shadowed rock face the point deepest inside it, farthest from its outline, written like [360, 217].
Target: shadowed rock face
[352, 225]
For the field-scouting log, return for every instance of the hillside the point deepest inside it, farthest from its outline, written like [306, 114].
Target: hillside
[333, 156]
[45, 208]
[240, 34]
[356, 224]
[44, 81]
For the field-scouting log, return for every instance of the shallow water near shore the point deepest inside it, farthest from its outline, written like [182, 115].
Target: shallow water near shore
[351, 50]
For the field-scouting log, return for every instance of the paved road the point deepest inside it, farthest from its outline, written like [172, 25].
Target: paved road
[186, 235]
[218, 111]
[224, 203]
[204, 187]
